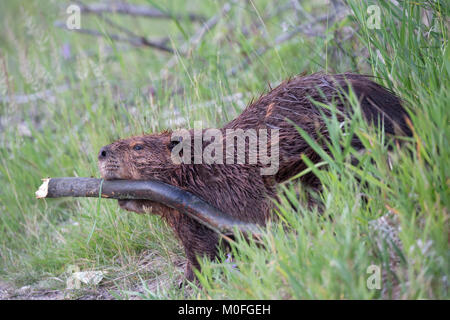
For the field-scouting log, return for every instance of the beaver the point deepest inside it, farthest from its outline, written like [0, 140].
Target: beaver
[236, 189]
[240, 189]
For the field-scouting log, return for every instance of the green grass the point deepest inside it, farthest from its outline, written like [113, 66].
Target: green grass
[307, 255]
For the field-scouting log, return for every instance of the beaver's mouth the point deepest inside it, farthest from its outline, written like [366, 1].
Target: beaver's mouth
[109, 171]
[110, 176]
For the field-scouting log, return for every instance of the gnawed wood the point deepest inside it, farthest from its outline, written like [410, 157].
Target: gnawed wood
[156, 191]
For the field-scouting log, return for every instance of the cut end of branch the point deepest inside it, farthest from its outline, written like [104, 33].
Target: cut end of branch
[43, 189]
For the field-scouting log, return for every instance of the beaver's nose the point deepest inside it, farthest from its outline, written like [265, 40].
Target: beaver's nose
[103, 154]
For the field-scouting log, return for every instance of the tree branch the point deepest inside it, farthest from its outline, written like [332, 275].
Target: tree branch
[156, 191]
[134, 10]
[133, 40]
[197, 37]
[306, 29]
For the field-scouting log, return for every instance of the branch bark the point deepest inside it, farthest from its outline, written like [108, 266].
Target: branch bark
[156, 191]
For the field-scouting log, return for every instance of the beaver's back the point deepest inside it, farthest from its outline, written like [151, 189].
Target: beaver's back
[293, 100]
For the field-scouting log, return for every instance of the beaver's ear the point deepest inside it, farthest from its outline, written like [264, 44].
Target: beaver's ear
[173, 142]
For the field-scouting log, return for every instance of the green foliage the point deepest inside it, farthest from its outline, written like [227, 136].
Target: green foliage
[105, 90]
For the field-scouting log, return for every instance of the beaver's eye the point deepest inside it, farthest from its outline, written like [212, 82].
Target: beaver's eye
[138, 147]
[174, 142]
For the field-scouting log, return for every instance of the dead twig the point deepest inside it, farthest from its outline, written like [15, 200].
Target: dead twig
[134, 10]
[136, 41]
[129, 32]
[246, 30]
[40, 95]
[300, 11]
[198, 36]
[306, 29]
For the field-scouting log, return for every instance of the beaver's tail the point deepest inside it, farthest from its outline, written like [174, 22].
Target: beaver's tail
[377, 103]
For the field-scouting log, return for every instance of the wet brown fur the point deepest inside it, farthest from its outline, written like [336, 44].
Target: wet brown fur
[240, 190]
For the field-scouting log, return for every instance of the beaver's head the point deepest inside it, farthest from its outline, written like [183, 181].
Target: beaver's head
[137, 158]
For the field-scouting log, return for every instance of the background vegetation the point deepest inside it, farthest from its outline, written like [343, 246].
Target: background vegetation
[64, 94]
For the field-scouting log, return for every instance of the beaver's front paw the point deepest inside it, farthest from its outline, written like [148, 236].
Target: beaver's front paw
[134, 205]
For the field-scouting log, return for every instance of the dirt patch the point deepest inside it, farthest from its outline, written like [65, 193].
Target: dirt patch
[8, 292]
